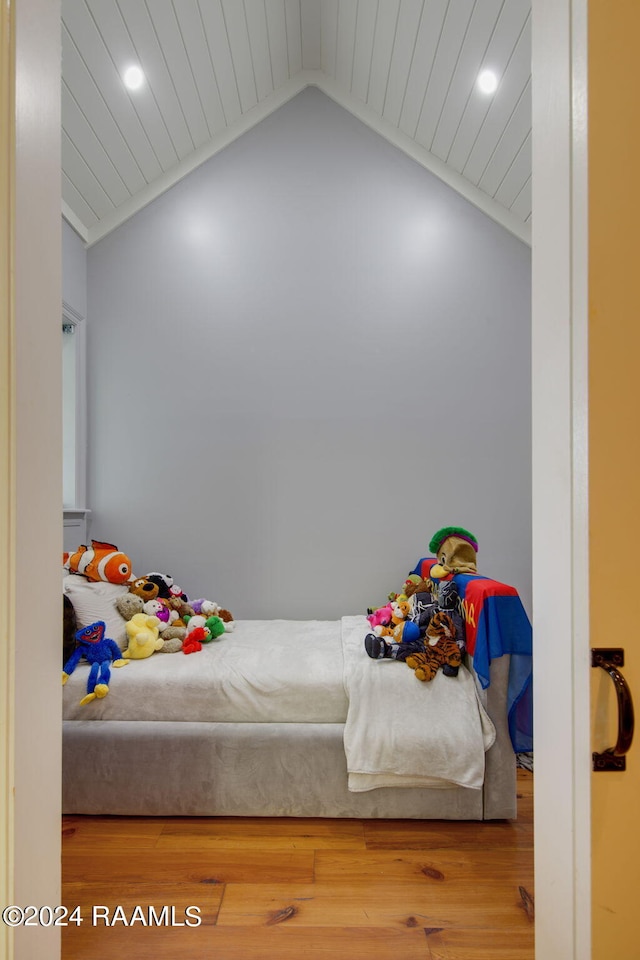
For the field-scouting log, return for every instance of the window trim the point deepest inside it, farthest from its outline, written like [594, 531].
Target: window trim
[77, 321]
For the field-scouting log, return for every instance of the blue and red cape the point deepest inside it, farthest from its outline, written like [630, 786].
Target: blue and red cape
[496, 624]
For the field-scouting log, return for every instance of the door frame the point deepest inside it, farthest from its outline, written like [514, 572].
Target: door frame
[560, 497]
[562, 817]
[7, 466]
[31, 472]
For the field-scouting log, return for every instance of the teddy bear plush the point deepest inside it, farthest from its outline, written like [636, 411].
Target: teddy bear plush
[144, 637]
[129, 604]
[439, 649]
[182, 609]
[160, 609]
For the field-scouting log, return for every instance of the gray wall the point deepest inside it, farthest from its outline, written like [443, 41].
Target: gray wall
[304, 359]
[74, 270]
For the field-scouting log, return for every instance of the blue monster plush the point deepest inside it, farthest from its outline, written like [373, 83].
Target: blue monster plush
[100, 652]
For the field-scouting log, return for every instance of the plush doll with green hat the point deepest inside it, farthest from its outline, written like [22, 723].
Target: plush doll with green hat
[455, 549]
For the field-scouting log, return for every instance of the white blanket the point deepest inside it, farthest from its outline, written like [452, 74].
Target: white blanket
[266, 671]
[401, 732]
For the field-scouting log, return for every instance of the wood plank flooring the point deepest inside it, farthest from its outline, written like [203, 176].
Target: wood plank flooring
[309, 889]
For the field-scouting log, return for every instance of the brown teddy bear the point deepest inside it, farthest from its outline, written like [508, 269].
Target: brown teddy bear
[144, 588]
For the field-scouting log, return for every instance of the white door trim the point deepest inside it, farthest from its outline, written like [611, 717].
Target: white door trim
[560, 471]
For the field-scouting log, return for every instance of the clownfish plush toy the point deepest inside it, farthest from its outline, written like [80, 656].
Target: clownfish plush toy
[100, 561]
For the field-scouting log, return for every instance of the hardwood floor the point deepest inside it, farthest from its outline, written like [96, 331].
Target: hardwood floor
[288, 889]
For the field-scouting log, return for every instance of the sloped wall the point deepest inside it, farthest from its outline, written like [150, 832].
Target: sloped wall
[304, 359]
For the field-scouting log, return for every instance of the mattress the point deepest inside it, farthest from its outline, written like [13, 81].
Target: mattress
[227, 681]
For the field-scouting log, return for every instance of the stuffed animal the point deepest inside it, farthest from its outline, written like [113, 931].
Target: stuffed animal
[396, 640]
[172, 639]
[415, 584]
[100, 561]
[385, 648]
[455, 549]
[193, 623]
[144, 588]
[216, 627]
[448, 600]
[208, 608]
[443, 596]
[193, 641]
[163, 581]
[144, 637]
[439, 650]
[177, 593]
[160, 609]
[400, 610]
[101, 652]
[380, 617]
[172, 636]
[128, 605]
[182, 609]
[197, 605]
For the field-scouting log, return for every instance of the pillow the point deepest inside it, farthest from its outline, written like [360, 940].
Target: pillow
[96, 601]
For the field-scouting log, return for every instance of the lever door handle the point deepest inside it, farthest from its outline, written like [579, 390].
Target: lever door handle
[609, 659]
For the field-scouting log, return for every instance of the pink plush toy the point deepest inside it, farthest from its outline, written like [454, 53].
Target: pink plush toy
[380, 617]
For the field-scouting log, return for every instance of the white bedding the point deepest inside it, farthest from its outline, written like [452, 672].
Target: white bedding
[266, 671]
[398, 732]
[401, 732]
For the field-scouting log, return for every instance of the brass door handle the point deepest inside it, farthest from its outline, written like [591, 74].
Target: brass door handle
[609, 659]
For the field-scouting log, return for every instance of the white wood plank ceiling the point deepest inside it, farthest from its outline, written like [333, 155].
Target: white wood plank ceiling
[214, 68]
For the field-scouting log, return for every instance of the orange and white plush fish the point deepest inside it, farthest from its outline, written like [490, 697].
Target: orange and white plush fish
[100, 561]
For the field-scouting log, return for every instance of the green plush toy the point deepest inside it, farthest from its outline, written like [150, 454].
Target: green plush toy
[213, 627]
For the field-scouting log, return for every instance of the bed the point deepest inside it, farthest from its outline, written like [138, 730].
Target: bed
[291, 718]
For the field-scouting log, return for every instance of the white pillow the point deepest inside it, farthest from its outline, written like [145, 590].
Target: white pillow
[97, 601]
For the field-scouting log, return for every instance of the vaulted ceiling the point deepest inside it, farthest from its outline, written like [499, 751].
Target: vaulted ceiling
[214, 68]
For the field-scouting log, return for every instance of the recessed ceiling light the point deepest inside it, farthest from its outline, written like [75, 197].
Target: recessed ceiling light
[133, 78]
[487, 81]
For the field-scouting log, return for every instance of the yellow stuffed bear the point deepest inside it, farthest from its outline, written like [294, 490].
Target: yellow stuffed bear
[144, 637]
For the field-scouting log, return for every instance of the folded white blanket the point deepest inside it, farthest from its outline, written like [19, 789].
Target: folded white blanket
[401, 732]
